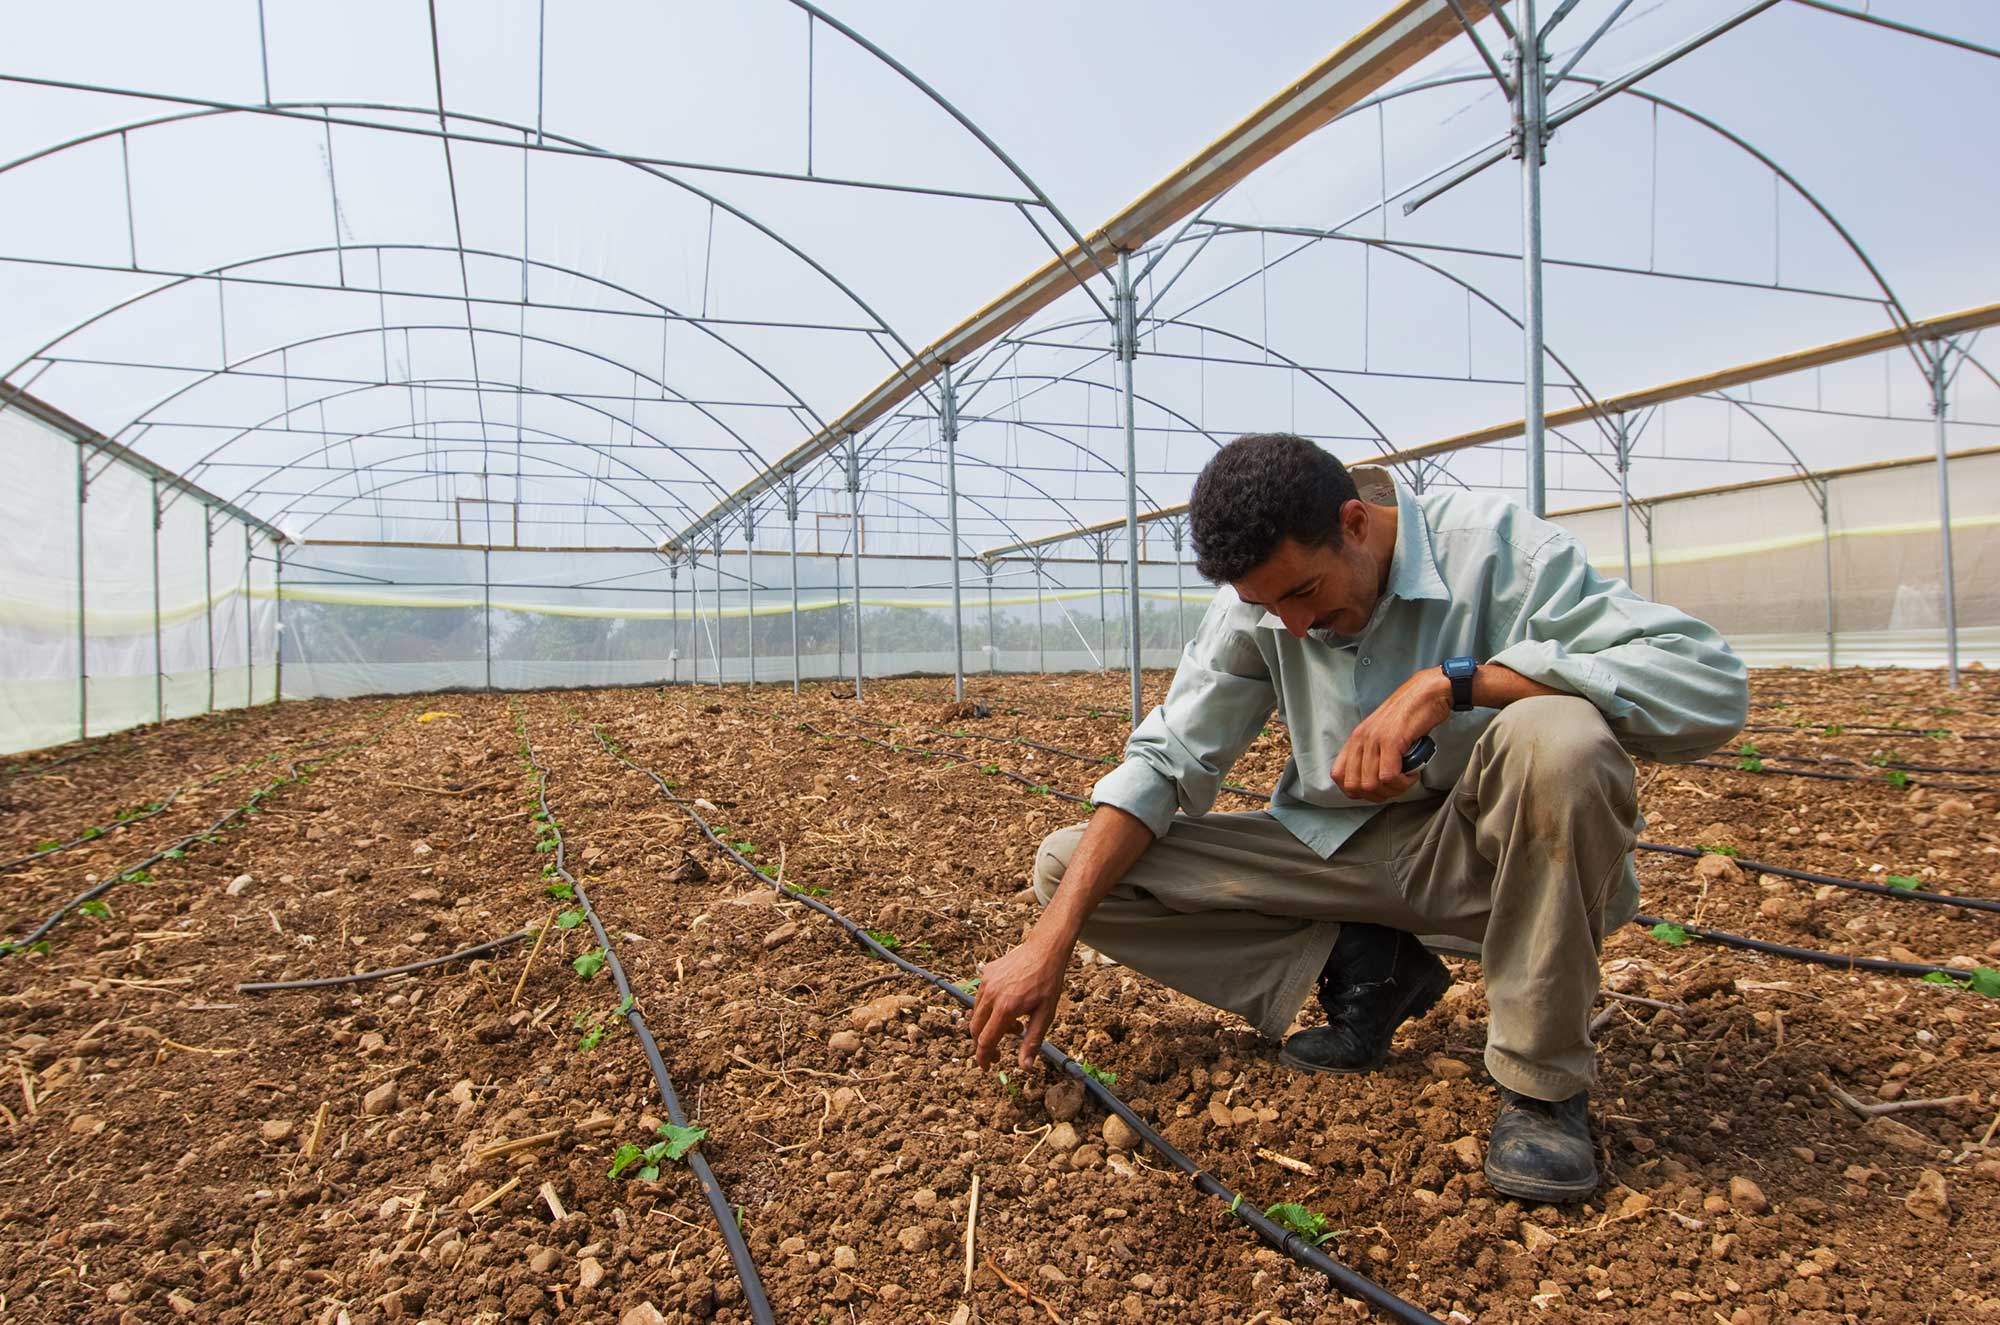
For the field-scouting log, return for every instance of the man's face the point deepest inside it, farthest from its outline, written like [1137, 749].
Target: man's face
[1316, 588]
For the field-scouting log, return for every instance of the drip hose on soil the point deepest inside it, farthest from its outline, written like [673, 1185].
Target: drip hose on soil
[1831, 777]
[362, 977]
[96, 891]
[718, 1202]
[1881, 964]
[1291, 1244]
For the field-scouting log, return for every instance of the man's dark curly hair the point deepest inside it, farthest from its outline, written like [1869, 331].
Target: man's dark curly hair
[1258, 491]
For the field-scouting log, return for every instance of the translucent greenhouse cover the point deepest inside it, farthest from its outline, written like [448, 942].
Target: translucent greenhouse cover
[424, 287]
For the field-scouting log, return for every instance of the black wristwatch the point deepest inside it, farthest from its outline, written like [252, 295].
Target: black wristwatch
[1459, 672]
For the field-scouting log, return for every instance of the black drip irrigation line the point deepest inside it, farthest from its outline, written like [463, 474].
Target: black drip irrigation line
[1831, 777]
[718, 1202]
[1816, 956]
[1291, 1244]
[1810, 876]
[363, 977]
[1865, 729]
[178, 848]
[1961, 770]
[1882, 964]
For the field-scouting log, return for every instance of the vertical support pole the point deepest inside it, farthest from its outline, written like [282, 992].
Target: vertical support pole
[1621, 435]
[1125, 342]
[792, 519]
[159, 660]
[1652, 564]
[1826, 559]
[1938, 356]
[278, 627]
[1041, 639]
[208, 593]
[249, 629]
[674, 620]
[992, 640]
[1180, 591]
[1530, 139]
[715, 636]
[82, 604]
[839, 625]
[1103, 611]
[486, 603]
[750, 588]
[694, 618]
[854, 508]
[948, 403]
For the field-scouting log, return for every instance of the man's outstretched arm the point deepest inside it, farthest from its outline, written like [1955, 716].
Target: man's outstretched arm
[1026, 985]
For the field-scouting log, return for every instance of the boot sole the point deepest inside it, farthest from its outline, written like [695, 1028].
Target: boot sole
[1530, 1189]
[1422, 999]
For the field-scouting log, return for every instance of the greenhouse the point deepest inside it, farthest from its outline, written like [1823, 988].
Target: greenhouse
[467, 459]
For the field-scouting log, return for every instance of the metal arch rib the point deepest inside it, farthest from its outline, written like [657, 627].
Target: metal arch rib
[592, 447]
[317, 516]
[1411, 30]
[379, 248]
[453, 444]
[477, 383]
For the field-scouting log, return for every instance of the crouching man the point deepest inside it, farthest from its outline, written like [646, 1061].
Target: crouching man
[1370, 617]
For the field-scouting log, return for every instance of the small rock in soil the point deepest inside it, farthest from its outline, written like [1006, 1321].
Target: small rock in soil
[843, 1042]
[1468, 1153]
[643, 1314]
[1446, 1067]
[783, 934]
[1928, 1200]
[1062, 1138]
[1900, 1136]
[845, 1258]
[182, 1304]
[589, 1273]
[914, 1238]
[276, 1129]
[1747, 1196]
[1119, 1134]
[1063, 1100]
[239, 885]
[1714, 869]
[544, 1260]
[383, 1099]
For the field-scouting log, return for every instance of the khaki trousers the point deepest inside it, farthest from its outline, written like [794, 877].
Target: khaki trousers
[1519, 858]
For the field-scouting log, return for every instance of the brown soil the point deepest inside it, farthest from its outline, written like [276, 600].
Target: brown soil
[167, 1164]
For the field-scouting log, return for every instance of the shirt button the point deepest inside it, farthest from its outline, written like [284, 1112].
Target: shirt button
[1367, 661]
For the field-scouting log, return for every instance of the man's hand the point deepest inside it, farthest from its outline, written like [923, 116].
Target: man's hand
[1026, 984]
[1370, 766]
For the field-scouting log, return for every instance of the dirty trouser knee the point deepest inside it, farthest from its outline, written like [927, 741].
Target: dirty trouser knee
[1520, 858]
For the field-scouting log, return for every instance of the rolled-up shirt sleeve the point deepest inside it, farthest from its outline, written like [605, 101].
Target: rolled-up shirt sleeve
[1667, 684]
[1177, 757]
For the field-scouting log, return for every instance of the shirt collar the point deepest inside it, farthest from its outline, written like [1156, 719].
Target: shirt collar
[1413, 570]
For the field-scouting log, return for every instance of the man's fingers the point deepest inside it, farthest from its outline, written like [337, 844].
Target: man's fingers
[1031, 1035]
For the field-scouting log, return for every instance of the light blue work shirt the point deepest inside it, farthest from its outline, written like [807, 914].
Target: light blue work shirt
[1472, 575]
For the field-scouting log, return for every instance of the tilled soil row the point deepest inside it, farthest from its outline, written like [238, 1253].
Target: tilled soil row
[1678, 1135]
[878, 1216]
[35, 887]
[56, 798]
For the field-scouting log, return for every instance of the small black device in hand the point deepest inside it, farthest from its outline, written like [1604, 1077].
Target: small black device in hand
[1419, 754]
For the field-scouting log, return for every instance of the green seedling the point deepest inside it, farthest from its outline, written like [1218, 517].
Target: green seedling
[9, 949]
[589, 964]
[601, 1027]
[1832, 729]
[93, 832]
[885, 938]
[1097, 1074]
[1718, 850]
[175, 853]
[814, 890]
[1308, 1224]
[1939, 733]
[1236, 1204]
[545, 845]
[93, 907]
[41, 847]
[1263, 731]
[675, 1145]
[570, 919]
[135, 876]
[1040, 788]
[989, 769]
[1897, 778]
[746, 847]
[1903, 882]
[1748, 748]
[1675, 936]
[548, 872]
[968, 987]
[1750, 764]
[768, 871]
[1980, 980]
[1009, 1087]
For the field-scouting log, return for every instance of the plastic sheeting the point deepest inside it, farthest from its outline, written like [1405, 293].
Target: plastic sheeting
[160, 618]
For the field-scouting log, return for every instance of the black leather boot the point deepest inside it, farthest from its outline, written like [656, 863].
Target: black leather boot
[1540, 1149]
[1374, 980]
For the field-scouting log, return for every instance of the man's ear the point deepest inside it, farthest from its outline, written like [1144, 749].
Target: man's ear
[1354, 520]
